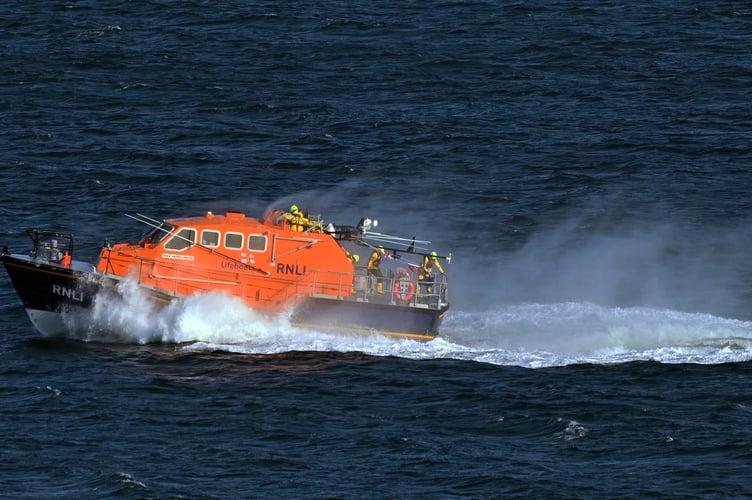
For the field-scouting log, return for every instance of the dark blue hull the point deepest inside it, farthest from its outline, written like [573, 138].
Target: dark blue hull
[353, 316]
[49, 287]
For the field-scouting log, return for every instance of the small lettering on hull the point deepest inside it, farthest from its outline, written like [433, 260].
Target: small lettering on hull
[238, 266]
[177, 256]
[68, 293]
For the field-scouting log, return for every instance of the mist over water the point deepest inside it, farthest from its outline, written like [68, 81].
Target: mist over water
[611, 260]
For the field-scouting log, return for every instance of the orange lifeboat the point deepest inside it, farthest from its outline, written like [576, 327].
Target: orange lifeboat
[270, 264]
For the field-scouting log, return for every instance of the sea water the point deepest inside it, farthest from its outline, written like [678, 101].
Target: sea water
[587, 166]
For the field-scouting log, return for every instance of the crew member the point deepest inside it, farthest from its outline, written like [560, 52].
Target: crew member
[374, 268]
[425, 275]
[354, 258]
[296, 219]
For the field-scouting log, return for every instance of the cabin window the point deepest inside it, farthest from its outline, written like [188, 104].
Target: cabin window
[184, 239]
[210, 238]
[256, 242]
[234, 241]
[156, 234]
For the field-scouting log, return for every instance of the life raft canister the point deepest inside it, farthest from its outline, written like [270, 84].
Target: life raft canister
[404, 287]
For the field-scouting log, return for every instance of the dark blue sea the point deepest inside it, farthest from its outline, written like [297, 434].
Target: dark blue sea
[587, 165]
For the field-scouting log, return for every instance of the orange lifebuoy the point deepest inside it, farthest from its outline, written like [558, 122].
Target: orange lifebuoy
[404, 287]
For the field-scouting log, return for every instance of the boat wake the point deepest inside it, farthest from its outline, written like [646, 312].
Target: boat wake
[529, 335]
[540, 335]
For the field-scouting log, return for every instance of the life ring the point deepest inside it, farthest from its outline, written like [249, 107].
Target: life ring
[404, 287]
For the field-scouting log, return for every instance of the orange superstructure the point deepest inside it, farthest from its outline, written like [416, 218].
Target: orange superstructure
[263, 262]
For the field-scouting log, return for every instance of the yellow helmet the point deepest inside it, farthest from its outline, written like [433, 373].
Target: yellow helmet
[356, 258]
[434, 254]
[294, 208]
[381, 249]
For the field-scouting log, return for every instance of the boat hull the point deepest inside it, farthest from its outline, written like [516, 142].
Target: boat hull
[390, 319]
[48, 291]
